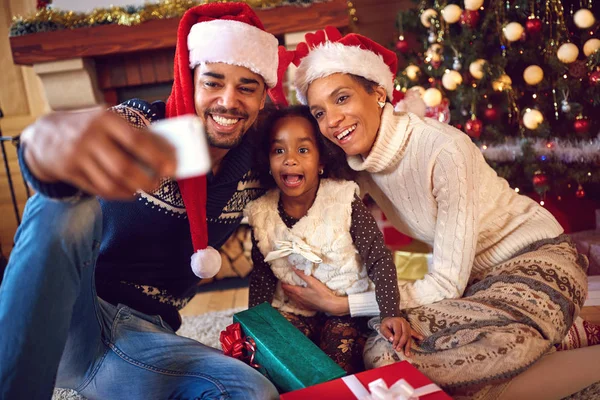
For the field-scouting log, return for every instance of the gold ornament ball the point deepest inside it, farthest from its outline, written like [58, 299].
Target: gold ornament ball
[473, 4]
[513, 31]
[476, 68]
[502, 83]
[532, 119]
[426, 16]
[591, 46]
[451, 79]
[533, 75]
[584, 18]
[451, 13]
[413, 72]
[432, 97]
[567, 53]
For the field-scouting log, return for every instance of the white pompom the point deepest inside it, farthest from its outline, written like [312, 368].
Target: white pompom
[206, 263]
[412, 102]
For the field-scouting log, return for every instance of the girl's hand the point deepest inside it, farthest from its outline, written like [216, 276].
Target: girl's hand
[316, 296]
[398, 331]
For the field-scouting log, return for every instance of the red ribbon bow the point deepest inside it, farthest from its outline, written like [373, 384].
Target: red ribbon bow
[234, 343]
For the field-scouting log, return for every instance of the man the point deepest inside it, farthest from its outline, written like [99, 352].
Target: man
[110, 334]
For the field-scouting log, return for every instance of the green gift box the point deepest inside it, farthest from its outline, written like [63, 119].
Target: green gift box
[289, 359]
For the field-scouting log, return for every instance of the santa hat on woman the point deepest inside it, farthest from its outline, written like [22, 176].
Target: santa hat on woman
[229, 33]
[327, 52]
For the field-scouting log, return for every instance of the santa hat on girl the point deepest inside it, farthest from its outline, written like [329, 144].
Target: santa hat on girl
[228, 33]
[327, 52]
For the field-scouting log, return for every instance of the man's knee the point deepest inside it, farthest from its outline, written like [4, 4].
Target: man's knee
[62, 223]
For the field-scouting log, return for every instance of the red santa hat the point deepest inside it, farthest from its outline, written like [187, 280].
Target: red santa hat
[327, 52]
[228, 33]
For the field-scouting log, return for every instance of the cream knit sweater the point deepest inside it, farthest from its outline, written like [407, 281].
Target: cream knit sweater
[434, 185]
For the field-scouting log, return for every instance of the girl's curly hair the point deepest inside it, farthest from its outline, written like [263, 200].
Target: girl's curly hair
[331, 156]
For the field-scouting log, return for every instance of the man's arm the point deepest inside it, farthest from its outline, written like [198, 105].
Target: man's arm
[96, 152]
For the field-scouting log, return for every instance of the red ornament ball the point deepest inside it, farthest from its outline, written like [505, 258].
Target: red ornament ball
[595, 78]
[533, 26]
[491, 113]
[469, 18]
[540, 179]
[578, 69]
[41, 4]
[580, 193]
[581, 126]
[474, 127]
[402, 46]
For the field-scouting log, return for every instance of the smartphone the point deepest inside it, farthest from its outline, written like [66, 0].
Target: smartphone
[186, 133]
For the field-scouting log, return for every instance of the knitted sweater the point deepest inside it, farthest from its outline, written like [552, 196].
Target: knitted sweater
[340, 230]
[433, 184]
[144, 259]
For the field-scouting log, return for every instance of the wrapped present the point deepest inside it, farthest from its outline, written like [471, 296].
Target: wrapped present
[411, 266]
[287, 357]
[398, 381]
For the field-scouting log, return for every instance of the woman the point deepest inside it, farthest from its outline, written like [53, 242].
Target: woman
[505, 285]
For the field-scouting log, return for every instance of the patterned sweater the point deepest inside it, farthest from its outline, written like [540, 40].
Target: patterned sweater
[433, 184]
[144, 259]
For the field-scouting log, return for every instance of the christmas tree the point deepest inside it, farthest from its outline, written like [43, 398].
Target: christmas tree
[520, 77]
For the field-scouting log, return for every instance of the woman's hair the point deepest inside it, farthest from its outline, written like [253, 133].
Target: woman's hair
[331, 156]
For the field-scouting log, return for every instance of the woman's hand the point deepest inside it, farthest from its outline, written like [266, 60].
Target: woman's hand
[398, 331]
[316, 296]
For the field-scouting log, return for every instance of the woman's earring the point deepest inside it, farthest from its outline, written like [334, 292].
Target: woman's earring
[270, 173]
[321, 171]
[381, 104]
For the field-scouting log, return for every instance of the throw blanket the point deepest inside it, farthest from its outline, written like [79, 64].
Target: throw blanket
[505, 322]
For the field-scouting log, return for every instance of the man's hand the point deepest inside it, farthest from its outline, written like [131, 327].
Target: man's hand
[398, 331]
[98, 152]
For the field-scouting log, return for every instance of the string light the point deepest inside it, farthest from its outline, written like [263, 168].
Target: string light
[542, 203]
[517, 190]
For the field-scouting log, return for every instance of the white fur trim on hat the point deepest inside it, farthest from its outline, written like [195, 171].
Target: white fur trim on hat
[234, 43]
[331, 58]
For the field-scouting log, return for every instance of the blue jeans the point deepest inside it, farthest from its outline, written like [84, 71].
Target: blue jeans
[55, 331]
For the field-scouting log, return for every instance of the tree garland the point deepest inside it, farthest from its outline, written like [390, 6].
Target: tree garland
[48, 19]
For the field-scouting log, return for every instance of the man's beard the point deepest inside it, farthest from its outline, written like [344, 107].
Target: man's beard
[229, 143]
[214, 138]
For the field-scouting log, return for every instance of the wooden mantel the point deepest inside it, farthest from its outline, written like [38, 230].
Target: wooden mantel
[105, 40]
[87, 67]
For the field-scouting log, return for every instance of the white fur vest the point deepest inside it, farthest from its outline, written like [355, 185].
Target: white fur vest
[324, 232]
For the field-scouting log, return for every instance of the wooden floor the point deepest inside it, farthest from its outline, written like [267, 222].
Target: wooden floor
[226, 299]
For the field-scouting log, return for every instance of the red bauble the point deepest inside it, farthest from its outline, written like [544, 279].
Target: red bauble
[540, 179]
[42, 4]
[402, 45]
[469, 18]
[595, 78]
[581, 125]
[533, 26]
[491, 113]
[580, 193]
[474, 127]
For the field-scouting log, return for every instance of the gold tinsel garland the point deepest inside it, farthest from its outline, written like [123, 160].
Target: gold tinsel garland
[48, 19]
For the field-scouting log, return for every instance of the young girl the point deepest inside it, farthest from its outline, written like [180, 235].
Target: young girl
[317, 224]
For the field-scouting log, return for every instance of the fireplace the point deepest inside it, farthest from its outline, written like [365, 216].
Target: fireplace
[106, 64]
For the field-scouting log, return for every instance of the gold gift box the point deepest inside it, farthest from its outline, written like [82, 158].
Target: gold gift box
[410, 266]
